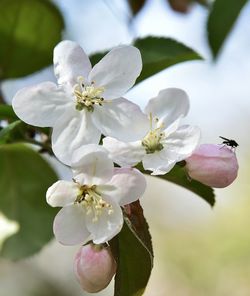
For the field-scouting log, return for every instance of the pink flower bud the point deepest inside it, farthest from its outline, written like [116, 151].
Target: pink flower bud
[94, 267]
[213, 165]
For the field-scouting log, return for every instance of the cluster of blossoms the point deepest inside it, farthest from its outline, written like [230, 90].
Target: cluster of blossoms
[86, 104]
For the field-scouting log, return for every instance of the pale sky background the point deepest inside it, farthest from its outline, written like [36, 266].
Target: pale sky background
[219, 92]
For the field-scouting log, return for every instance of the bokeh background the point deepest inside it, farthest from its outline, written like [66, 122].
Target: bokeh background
[199, 251]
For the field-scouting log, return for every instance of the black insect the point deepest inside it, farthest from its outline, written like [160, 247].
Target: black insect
[229, 142]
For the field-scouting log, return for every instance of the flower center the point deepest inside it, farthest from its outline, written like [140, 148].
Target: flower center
[152, 141]
[93, 202]
[87, 95]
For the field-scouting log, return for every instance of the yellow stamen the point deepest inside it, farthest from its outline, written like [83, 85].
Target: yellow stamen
[88, 95]
[152, 141]
[93, 202]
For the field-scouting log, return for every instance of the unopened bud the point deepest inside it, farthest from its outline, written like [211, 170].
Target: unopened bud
[94, 267]
[213, 165]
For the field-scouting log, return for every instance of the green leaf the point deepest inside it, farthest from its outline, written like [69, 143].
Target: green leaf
[24, 181]
[158, 54]
[179, 177]
[7, 133]
[29, 30]
[133, 251]
[161, 53]
[7, 112]
[222, 17]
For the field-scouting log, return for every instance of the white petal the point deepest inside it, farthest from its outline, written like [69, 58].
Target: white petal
[72, 130]
[182, 142]
[41, 104]
[172, 127]
[121, 119]
[107, 225]
[70, 62]
[117, 71]
[169, 105]
[91, 165]
[70, 225]
[178, 146]
[126, 186]
[124, 154]
[157, 163]
[62, 193]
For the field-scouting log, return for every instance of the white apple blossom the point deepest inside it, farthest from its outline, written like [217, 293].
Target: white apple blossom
[165, 142]
[91, 202]
[87, 101]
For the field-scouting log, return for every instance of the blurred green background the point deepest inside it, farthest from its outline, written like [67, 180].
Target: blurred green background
[199, 251]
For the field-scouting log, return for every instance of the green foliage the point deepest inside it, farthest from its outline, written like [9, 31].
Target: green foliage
[223, 15]
[10, 131]
[179, 177]
[133, 251]
[158, 54]
[29, 30]
[161, 53]
[24, 181]
[7, 112]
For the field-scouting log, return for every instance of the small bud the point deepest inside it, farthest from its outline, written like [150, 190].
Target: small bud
[94, 267]
[213, 165]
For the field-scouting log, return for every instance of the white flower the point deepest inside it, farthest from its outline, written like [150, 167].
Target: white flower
[165, 143]
[87, 102]
[91, 202]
